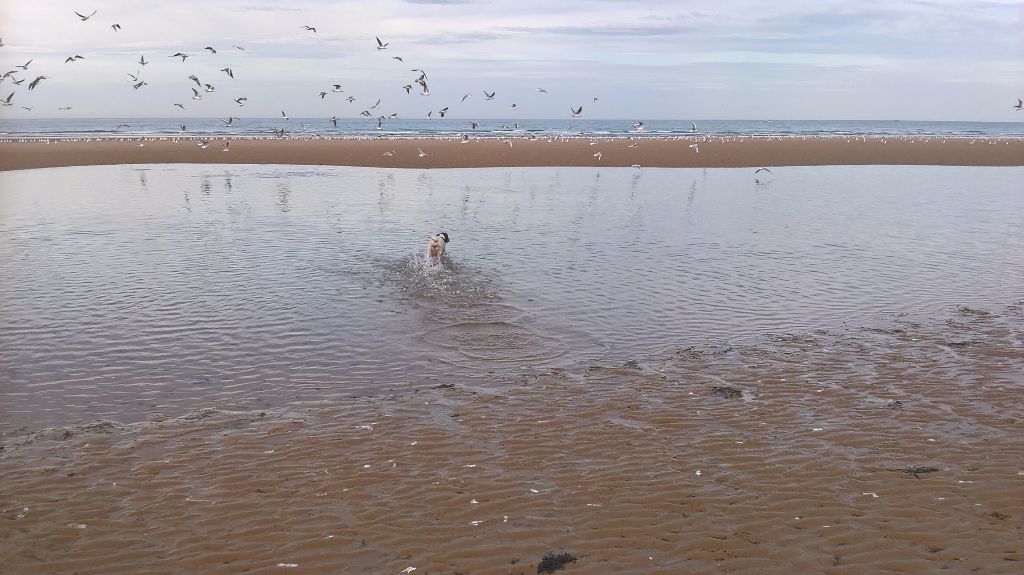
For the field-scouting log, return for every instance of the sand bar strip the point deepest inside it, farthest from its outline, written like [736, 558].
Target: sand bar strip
[493, 152]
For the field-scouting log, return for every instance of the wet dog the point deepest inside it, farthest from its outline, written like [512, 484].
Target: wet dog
[435, 247]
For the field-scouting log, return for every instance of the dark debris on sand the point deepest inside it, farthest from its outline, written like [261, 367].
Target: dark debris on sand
[726, 392]
[551, 562]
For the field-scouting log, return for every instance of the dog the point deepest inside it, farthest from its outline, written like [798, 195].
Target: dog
[435, 247]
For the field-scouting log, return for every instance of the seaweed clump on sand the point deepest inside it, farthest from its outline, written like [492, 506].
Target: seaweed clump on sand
[551, 562]
[726, 392]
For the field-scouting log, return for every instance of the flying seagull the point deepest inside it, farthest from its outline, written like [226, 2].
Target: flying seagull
[309, 28]
[542, 90]
[693, 127]
[421, 152]
[283, 115]
[196, 95]
[226, 144]
[17, 82]
[179, 55]
[1019, 106]
[84, 18]
[195, 79]
[142, 60]
[334, 120]
[375, 106]
[229, 121]
[464, 98]
[241, 101]
[73, 58]
[576, 113]
[350, 99]
[25, 65]
[322, 95]
[474, 125]
[337, 88]
[399, 58]
[116, 27]
[119, 126]
[488, 96]
[407, 88]
[211, 49]
[513, 107]
[182, 106]
[381, 45]
[7, 102]
[138, 85]
[238, 47]
[443, 111]
[228, 71]
[598, 156]
[762, 170]
[696, 148]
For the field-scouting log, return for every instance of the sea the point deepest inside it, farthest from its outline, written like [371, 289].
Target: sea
[449, 127]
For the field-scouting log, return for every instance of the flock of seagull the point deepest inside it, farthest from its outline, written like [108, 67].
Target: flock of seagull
[202, 88]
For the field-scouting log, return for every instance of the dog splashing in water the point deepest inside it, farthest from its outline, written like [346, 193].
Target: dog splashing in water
[435, 247]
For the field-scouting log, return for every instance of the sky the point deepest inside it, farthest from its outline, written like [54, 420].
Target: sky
[651, 59]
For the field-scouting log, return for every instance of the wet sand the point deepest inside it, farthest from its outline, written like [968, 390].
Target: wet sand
[871, 450]
[493, 152]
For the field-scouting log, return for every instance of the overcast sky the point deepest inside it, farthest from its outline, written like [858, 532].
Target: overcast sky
[651, 59]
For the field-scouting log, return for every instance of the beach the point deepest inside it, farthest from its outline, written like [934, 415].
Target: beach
[711, 151]
[776, 458]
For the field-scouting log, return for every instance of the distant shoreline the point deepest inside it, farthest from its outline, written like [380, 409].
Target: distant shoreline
[439, 152]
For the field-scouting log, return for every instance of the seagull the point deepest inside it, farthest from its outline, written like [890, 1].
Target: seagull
[407, 88]
[309, 28]
[473, 125]
[64, 108]
[17, 82]
[595, 98]
[211, 49]
[421, 153]
[195, 94]
[73, 58]
[465, 139]
[32, 85]
[180, 106]
[84, 18]
[399, 58]
[488, 96]
[696, 149]
[7, 102]
[138, 85]
[322, 95]
[693, 127]
[576, 113]
[639, 127]
[443, 111]
[375, 106]
[119, 126]
[209, 87]
[426, 90]
[229, 72]
[238, 47]
[512, 107]
[337, 88]
[25, 65]
[391, 153]
[381, 45]
[226, 144]
[283, 115]
[241, 101]
[633, 145]
[203, 142]
[183, 128]
[394, 116]
[196, 80]
[229, 121]
[350, 99]
[598, 156]
[26, 108]
[142, 60]
[509, 142]
[366, 113]
[542, 91]
[762, 170]
[430, 115]
[179, 55]
[1019, 106]
[334, 120]
[116, 27]
[464, 98]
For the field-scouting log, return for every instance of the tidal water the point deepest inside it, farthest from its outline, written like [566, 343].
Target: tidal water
[137, 292]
